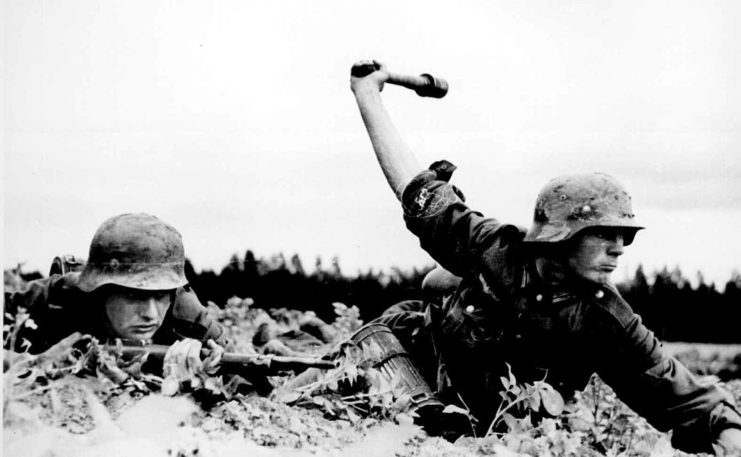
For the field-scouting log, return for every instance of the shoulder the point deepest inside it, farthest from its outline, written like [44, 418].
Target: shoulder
[57, 289]
[69, 281]
[610, 306]
[190, 319]
[187, 306]
[618, 330]
[56, 305]
[502, 258]
[56, 283]
[503, 234]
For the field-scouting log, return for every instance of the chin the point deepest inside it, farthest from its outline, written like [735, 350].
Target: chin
[599, 279]
[139, 336]
[602, 279]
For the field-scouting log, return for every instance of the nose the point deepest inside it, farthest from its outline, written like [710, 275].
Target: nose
[148, 309]
[616, 246]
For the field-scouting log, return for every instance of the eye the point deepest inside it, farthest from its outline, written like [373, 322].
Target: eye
[162, 295]
[605, 234]
[132, 295]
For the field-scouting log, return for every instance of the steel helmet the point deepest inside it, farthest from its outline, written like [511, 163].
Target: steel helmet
[439, 281]
[135, 250]
[571, 203]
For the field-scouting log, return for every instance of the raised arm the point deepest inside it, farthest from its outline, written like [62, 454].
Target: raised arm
[458, 238]
[397, 161]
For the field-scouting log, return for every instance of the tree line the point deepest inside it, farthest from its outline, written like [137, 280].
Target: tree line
[280, 282]
[670, 305]
[666, 300]
[678, 311]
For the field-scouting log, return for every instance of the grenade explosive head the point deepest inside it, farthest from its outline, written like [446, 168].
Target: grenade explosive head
[435, 87]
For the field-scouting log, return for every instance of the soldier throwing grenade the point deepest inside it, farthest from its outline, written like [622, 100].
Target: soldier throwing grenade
[540, 300]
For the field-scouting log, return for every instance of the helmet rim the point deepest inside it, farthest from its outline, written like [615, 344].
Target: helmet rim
[568, 204]
[137, 251]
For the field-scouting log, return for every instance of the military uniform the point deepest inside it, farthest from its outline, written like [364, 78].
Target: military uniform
[504, 312]
[59, 308]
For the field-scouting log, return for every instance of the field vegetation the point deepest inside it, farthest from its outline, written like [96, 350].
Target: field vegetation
[93, 401]
[88, 399]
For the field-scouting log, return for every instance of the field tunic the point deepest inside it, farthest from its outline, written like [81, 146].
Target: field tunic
[503, 312]
[59, 308]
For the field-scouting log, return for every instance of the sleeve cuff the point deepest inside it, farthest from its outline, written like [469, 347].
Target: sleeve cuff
[429, 193]
[443, 170]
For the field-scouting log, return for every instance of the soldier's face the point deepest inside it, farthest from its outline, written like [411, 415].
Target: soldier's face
[594, 255]
[136, 314]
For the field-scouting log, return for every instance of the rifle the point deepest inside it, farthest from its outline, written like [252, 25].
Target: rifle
[232, 362]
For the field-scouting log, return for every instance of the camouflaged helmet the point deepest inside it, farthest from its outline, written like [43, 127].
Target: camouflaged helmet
[439, 281]
[569, 204]
[137, 251]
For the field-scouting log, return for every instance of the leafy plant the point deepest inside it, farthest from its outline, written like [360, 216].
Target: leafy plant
[594, 423]
[608, 424]
[348, 319]
[353, 390]
[526, 398]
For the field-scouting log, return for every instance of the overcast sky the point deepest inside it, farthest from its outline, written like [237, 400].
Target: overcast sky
[233, 120]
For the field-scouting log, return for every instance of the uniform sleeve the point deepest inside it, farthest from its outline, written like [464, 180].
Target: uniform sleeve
[660, 388]
[35, 294]
[461, 240]
[30, 299]
[190, 319]
[43, 300]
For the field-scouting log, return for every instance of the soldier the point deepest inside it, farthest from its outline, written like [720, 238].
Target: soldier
[540, 300]
[132, 288]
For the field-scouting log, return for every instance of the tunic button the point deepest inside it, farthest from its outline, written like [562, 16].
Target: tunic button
[599, 294]
[469, 308]
[539, 297]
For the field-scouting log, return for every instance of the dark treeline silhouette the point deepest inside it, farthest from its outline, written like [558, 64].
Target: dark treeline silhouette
[677, 311]
[667, 302]
[277, 282]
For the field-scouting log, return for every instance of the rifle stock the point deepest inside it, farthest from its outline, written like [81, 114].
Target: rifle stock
[233, 362]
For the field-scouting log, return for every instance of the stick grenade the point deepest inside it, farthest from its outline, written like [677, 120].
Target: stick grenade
[425, 85]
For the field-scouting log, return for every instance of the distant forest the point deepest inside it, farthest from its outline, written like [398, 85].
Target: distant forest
[667, 302]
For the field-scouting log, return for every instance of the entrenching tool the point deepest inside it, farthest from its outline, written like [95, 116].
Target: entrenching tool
[425, 85]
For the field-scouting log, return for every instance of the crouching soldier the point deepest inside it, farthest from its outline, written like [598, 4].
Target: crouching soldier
[539, 299]
[132, 288]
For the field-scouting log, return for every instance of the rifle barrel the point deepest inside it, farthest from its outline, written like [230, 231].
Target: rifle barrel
[232, 360]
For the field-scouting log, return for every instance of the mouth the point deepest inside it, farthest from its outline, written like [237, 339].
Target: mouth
[144, 329]
[607, 268]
